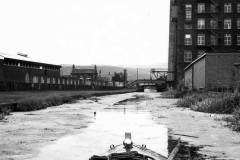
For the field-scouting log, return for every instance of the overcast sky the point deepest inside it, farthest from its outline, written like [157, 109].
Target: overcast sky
[110, 32]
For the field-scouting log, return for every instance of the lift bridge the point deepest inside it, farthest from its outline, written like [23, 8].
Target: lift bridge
[157, 80]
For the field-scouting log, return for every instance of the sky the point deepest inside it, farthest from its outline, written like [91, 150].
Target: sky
[86, 32]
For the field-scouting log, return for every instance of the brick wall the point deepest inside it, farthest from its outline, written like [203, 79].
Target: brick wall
[220, 70]
[1, 70]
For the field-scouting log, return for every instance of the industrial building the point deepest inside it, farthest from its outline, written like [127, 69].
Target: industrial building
[213, 71]
[19, 72]
[198, 27]
[120, 79]
[88, 76]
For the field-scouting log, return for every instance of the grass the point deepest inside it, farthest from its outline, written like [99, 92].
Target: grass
[211, 102]
[173, 94]
[221, 103]
[234, 121]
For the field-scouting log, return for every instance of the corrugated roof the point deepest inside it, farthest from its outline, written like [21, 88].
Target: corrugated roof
[22, 58]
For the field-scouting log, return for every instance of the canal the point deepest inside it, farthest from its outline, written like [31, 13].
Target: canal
[111, 121]
[74, 132]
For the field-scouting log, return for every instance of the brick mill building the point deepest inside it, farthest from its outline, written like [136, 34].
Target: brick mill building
[199, 27]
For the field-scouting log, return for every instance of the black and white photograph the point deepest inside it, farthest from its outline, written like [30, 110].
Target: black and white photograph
[119, 79]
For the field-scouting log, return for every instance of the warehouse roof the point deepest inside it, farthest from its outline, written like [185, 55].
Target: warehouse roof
[196, 60]
[22, 57]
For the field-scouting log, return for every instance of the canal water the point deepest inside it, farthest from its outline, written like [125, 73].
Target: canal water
[109, 126]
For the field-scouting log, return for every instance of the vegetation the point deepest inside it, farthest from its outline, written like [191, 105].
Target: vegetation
[234, 121]
[212, 102]
[173, 94]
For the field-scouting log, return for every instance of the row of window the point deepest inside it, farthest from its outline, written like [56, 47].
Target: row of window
[201, 23]
[62, 81]
[48, 80]
[201, 39]
[27, 65]
[201, 8]
[228, 8]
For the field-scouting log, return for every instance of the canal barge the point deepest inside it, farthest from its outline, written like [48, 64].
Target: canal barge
[130, 151]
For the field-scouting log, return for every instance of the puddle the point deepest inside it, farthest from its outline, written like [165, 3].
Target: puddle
[149, 90]
[134, 100]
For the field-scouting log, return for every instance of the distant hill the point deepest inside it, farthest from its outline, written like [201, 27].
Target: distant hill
[105, 70]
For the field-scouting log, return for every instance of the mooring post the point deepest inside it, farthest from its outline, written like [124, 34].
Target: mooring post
[175, 150]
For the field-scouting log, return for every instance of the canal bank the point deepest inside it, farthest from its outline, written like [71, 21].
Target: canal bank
[29, 101]
[207, 132]
[72, 131]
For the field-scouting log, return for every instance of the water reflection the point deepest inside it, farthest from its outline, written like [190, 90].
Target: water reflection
[109, 128]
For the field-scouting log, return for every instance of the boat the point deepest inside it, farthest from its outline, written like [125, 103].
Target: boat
[130, 151]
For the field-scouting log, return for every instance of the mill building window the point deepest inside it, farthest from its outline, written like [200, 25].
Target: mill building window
[227, 8]
[201, 8]
[227, 39]
[187, 56]
[213, 40]
[213, 24]
[188, 11]
[188, 39]
[201, 23]
[238, 23]
[213, 8]
[227, 23]
[238, 8]
[238, 39]
[187, 26]
[200, 53]
[201, 39]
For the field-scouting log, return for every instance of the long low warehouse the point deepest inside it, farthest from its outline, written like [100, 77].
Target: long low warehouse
[213, 71]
